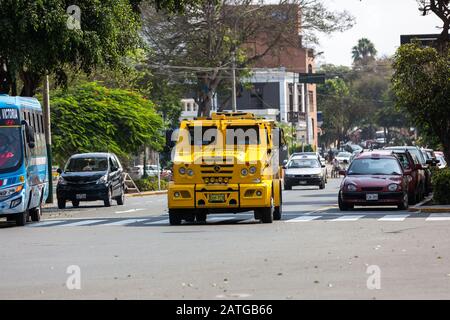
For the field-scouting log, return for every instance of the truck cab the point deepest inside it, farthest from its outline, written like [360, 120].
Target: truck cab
[229, 162]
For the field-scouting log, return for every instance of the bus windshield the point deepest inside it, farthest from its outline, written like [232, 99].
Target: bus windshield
[10, 149]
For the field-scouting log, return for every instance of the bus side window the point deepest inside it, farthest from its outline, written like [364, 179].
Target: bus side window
[42, 123]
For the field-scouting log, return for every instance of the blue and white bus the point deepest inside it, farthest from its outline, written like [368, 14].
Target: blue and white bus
[23, 159]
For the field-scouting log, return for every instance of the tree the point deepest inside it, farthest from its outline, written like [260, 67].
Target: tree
[198, 46]
[421, 83]
[39, 38]
[441, 8]
[364, 52]
[94, 118]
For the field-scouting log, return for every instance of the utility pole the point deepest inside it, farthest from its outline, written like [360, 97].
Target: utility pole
[159, 173]
[306, 93]
[234, 107]
[48, 138]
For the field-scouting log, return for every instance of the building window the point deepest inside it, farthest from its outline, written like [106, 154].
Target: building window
[291, 96]
[311, 100]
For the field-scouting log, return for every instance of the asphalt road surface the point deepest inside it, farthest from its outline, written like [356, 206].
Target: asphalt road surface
[315, 252]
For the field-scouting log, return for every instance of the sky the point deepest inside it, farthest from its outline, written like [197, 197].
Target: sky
[381, 21]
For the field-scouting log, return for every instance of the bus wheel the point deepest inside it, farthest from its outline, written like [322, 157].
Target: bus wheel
[61, 203]
[21, 219]
[35, 214]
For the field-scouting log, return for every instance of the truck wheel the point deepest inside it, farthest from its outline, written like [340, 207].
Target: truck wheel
[61, 203]
[35, 214]
[21, 219]
[267, 213]
[201, 217]
[75, 203]
[278, 211]
[174, 218]
[189, 217]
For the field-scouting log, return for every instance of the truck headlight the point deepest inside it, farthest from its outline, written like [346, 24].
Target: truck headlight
[103, 179]
[10, 191]
[393, 187]
[252, 170]
[244, 172]
[190, 172]
[182, 170]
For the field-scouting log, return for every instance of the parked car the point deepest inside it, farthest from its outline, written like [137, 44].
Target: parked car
[137, 172]
[304, 170]
[415, 175]
[416, 151]
[344, 157]
[374, 179]
[91, 177]
[442, 163]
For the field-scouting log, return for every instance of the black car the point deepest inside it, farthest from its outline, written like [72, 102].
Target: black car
[91, 177]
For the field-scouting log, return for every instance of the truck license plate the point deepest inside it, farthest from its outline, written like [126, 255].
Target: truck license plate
[81, 196]
[218, 198]
[371, 197]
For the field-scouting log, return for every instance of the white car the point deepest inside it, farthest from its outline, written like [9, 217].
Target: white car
[442, 163]
[304, 171]
[137, 172]
[344, 157]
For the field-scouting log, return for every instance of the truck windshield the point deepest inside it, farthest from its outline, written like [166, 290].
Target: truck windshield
[243, 135]
[203, 135]
[87, 164]
[11, 152]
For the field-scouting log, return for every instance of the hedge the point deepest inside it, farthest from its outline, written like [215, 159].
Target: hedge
[441, 186]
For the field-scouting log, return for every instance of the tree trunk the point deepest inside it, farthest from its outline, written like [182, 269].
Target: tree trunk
[31, 82]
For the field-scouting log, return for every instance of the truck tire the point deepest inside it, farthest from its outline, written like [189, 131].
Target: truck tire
[267, 213]
[61, 203]
[174, 218]
[76, 203]
[201, 217]
[278, 211]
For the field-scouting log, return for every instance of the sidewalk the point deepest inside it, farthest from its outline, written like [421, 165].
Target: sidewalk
[146, 193]
[426, 206]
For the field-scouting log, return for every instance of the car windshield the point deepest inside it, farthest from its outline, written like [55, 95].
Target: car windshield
[380, 166]
[303, 163]
[10, 149]
[87, 164]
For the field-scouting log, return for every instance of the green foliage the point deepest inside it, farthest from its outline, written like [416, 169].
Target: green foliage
[151, 184]
[441, 186]
[422, 85]
[35, 39]
[364, 52]
[91, 118]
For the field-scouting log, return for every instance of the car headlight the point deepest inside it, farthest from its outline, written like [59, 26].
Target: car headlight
[190, 172]
[10, 191]
[351, 188]
[252, 170]
[62, 181]
[102, 180]
[182, 170]
[393, 187]
[244, 172]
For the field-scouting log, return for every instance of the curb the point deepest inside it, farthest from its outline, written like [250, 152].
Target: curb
[147, 193]
[430, 209]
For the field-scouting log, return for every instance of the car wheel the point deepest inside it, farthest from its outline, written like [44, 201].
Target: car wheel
[287, 187]
[342, 205]
[108, 200]
[174, 218]
[35, 214]
[75, 203]
[404, 204]
[21, 219]
[121, 198]
[61, 203]
[322, 185]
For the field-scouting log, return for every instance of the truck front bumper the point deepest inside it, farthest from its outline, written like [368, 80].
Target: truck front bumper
[232, 196]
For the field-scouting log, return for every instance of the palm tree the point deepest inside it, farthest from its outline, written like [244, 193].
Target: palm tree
[363, 52]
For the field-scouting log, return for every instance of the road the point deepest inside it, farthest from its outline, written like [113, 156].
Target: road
[316, 252]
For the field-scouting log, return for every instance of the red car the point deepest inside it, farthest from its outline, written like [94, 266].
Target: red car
[414, 173]
[374, 179]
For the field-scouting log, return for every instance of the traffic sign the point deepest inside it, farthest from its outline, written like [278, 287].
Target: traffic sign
[425, 39]
[311, 78]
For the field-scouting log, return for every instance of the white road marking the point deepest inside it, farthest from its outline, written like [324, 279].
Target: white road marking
[128, 211]
[163, 221]
[82, 223]
[217, 219]
[438, 217]
[44, 223]
[124, 222]
[347, 218]
[303, 219]
[394, 217]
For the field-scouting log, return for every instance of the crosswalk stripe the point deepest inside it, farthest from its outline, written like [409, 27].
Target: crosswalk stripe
[124, 222]
[394, 217]
[163, 221]
[347, 218]
[438, 217]
[81, 223]
[303, 219]
[44, 223]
